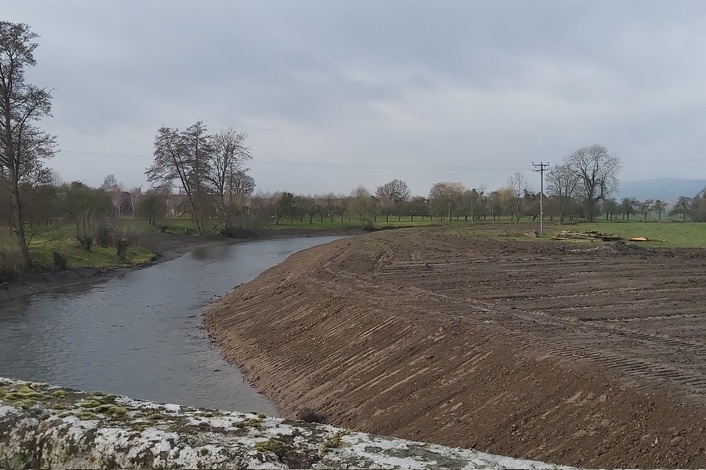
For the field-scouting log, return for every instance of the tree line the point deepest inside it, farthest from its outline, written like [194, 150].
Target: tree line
[203, 176]
[579, 187]
[209, 169]
[23, 145]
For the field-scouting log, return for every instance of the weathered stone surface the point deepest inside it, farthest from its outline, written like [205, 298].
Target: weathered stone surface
[42, 426]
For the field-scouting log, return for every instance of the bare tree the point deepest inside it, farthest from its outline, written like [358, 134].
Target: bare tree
[263, 205]
[495, 204]
[518, 185]
[645, 208]
[697, 209]
[242, 186]
[331, 206]
[285, 207]
[55, 178]
[23, 146]
[474, 203]
[562, 183]
[109, 183]
[392, 195]
[362, 204]
[660, 206]
[597, 171]
[628, 206]
[471, 203]
[682, 207]
[228, 175]
[507, 202]
[445, 197]
[394, 191]
[185, 157]
[85, 207]
[135, 197]
[115, 192]
[609, 206]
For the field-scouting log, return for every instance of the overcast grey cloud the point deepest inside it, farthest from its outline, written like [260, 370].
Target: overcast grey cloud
[336, 94]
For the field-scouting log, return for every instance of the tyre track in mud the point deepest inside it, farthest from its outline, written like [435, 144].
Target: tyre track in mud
[644, 374]
[423, 337]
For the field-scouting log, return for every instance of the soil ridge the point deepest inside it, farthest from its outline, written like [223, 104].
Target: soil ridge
[437, 335]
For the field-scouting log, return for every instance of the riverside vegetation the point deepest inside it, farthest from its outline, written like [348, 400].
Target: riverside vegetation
[55, 246]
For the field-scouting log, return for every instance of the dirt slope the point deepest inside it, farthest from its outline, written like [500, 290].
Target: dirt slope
[591, 358]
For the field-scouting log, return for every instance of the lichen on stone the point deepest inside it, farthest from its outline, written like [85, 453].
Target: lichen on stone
[50, 427]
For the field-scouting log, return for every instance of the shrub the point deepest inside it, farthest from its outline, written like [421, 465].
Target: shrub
[9, 260]
[104, 237]
[239, 232]
[308, 415]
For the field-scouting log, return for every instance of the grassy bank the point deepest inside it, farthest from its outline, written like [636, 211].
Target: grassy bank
[659, 235]
[668, 234]
[61, 238]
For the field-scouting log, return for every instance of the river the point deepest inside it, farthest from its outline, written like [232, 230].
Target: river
[140, 334]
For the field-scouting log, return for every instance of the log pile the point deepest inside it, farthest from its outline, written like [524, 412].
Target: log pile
[588, 235]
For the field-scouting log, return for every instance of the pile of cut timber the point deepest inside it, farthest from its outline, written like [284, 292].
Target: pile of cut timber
[587, 235]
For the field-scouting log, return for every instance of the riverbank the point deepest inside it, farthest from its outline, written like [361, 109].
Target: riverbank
[591, 357]
[164, 246]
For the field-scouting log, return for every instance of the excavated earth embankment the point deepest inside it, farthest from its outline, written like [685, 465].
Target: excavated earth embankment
[587, 357]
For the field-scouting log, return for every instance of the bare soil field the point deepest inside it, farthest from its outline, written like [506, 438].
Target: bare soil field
[590, 356]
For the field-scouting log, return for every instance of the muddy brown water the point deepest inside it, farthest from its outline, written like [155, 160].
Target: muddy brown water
[140, 334]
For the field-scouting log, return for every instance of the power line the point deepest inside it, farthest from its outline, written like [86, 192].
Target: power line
[302, 164]
[260, 162]
[364, 166]
[373, 166]
[104, 154]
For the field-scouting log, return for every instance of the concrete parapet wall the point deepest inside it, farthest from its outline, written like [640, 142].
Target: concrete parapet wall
[43, 426]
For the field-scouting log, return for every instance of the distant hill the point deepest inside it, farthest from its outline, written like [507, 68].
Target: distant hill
[667, 189]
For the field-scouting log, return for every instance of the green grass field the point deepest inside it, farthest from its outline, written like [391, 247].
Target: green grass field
[664, 234]
[667, 234]
[61, 237]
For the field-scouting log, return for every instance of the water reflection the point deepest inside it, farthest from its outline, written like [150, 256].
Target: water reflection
[140, 334]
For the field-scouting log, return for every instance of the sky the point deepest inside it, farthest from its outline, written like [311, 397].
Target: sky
[336, 94]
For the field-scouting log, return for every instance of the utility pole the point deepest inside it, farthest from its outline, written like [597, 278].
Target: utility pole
[449, 207]
[541, 168]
